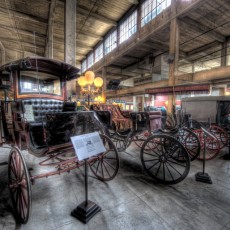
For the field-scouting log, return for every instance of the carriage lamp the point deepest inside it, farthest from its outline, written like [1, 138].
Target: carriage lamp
[90, 85]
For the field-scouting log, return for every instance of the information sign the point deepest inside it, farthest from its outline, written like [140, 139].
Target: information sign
[87, 145]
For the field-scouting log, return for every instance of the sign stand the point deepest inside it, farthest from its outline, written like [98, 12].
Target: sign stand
[87, 145]
[87, 209]
[203, 176]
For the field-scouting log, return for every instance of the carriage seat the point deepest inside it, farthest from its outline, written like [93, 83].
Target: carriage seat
[155, 120]
[33, 113]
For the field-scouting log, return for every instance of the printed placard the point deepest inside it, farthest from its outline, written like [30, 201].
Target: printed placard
[29, 112]
[87, 145]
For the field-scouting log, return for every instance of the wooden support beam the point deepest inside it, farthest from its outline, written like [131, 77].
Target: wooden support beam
[3, 53]
[85, 11]
[22, 42]
[49, 32]
[207, 75]
[22, 31]
[202, 48]
[140, 89]
[18, 14]
[97, 16]
[224, 49]
[203, 29]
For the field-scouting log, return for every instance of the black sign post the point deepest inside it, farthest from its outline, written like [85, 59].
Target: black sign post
[87, 209]
[203, 176]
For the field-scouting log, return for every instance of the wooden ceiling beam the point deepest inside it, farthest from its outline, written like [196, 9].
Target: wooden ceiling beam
[20, 31]
[22, 42]
[202, 48]
[203, 29]
[97, 16]
[18, 14]
[85, 11]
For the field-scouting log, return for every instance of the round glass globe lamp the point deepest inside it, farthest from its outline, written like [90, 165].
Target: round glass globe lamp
[81, 81]
[89, 77]
[98, 82]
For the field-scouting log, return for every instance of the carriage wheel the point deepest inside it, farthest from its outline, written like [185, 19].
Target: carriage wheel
[19, 185]
[105, 166]
[141, 138]
[165, 159]
[220, 134]
[190, 141]
[120, 139]
[212, 147]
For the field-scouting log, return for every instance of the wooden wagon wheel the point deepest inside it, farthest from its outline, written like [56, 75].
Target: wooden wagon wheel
[212, 146]
[220, 134]
[165, 159]
[190, 141]
[105, 166]
[19, 185]
[120, 139]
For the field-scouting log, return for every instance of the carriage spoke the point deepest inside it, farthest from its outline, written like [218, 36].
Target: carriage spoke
[174, 168]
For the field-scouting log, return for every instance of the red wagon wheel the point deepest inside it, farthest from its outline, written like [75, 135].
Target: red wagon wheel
[105, 166]
[19, 185]
[220, 134]
[212, 146]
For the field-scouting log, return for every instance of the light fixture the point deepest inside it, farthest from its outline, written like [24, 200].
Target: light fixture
[90, 85]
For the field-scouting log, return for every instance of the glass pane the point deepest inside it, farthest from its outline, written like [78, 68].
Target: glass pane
[38, 82]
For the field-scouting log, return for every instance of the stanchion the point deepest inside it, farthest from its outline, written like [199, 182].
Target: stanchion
[203, 176]
[87, 209]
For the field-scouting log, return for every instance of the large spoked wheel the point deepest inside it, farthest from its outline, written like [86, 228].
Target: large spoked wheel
[212, 146]
[220, 134]
[165, 159]
[105, 166]
[120, 139]
[19, 185]
[190, 141]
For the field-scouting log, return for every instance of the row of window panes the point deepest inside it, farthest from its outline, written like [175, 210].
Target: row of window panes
[149, 10]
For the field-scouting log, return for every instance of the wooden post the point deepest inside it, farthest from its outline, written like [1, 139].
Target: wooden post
[70, 38]
[173, 59]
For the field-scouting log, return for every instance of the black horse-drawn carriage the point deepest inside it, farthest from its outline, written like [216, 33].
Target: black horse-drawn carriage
[36, 116]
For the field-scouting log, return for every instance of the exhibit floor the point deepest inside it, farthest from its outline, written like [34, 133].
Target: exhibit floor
[130, 201]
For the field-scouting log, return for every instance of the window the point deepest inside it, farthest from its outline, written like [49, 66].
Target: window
[128, 27]
[99, 53]
[111, 42]
[90, 60]
[83, 66]
[151, 8]
[44, 83]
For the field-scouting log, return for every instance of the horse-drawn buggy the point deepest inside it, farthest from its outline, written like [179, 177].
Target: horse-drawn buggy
[37, 117]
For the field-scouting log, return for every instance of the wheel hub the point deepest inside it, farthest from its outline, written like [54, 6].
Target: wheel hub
[163, 158]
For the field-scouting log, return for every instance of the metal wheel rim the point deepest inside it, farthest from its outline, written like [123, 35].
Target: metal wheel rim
[161, 164]
[19, 185]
